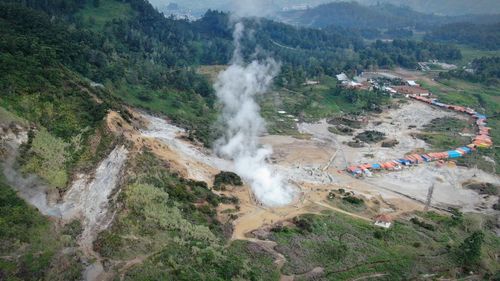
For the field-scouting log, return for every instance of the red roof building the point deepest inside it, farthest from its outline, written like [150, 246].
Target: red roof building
[383, 220]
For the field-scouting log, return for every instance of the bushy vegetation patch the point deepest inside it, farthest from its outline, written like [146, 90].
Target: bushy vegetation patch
[30, 245]
[483, 188]
[47, 156]
[241, 260]
[173, 222]
[468, 253]
[226, 178]
[353, 200]
[348, 248]
[448, 125]
[390, 143]
[423, 224]
[443, 141]
[371, 136]
[341, 130]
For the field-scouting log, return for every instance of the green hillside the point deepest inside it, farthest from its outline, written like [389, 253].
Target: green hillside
[64, 64]
[98, 13]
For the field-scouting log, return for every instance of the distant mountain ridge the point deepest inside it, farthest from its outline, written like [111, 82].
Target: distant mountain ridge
[446, 7]
[442, 7]
[380, 16]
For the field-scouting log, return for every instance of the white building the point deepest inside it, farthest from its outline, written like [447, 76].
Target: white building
[412, 83]
[384, 221]
[342, 77]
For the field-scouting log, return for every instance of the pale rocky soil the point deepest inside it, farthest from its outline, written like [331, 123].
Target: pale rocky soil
[410, 183]
[87, 199]
[394, 123]
[304, 162]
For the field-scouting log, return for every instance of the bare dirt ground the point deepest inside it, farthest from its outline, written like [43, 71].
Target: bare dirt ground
[315, 165]
[407, 74]
[305, 163]
[448, 190]
[397, 124]
[411, 183]
[87, 199]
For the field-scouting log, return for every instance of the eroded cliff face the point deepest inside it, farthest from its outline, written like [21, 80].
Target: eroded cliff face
[88, 199]
[90, 196]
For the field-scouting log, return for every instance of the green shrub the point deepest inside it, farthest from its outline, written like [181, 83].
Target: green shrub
[378, 234]
[457, 217]
[47, 157]
[25, 235]
[149, 204]
[468, 254]
[226, 178]
[108, 243]
[353, 200]
[370, 136]
[304, 224]
[73, 229]
[423, 224]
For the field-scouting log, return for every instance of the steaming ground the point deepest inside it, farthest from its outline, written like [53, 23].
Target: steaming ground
[304, 162]
[236, 88]
[87, 199]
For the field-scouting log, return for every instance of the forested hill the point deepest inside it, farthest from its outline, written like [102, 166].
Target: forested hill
[481, 36]
[381, 16]
[147, 60]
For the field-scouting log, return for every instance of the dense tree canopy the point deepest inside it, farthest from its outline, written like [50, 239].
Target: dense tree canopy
[146, 58]
[486, 69]
[482, 36]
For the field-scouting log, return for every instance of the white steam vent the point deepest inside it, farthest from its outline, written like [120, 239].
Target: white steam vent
[237, 88]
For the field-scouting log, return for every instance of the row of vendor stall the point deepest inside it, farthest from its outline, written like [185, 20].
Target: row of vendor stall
[481, 140]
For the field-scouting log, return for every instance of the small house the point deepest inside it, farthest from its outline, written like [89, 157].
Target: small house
[342, 77]
[412, 83]
[383, 220]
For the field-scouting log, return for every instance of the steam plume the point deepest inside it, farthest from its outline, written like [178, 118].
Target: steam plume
[236, 89]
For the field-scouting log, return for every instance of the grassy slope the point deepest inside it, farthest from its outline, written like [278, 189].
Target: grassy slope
[347, 248]
[483, 98]
[172, 222]
[108, 10]
[187, 109]
[311, 103]
[30, 245]
[469, 54]
[68, 122]
[65, 112]
[444, 133]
